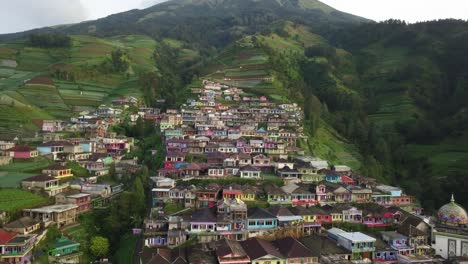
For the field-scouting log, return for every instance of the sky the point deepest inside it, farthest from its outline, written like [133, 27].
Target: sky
[20, 15]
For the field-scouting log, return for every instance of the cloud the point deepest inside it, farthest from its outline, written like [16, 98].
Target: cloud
[150, 3]
[21, 15]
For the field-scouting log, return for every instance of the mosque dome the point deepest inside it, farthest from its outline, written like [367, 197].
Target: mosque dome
[452, 213]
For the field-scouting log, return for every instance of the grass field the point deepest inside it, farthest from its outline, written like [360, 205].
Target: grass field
[15, 199]
[9, 179]
[447, 156]
[28, 166]
[327, 144]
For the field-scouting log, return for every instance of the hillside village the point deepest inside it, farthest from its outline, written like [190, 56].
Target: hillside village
[239, 184]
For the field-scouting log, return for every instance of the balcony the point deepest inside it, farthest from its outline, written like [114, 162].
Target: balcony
[362, 249]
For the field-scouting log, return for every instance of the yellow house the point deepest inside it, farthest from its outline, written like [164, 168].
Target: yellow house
[236, 191]
[336, 217]
[306, 214]
[58, 171]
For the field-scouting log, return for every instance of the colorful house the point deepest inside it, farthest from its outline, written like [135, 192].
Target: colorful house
[259, 220]
[276, 195]
[58, 171]
[398, 242]
[48, 184]
[207, 196]
[16, 248]
[21, 152]
[262, 252]
[360, 245]
[64, 251]
[232, 191]
[294, 251]
[24, 225]
[203, 223]
[231, 251]
[250, 172]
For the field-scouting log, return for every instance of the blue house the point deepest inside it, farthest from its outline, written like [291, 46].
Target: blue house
[331, 176]
[88, 146]
[259, 219]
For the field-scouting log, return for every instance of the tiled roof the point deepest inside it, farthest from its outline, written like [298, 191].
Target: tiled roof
[279, 210]
[230, 247]
[292, 248]
[250, 168]
[20, 148]
[257, 248]
[204, 215]
[39, 178]
[23, 222]
[259, 213]
[6, 236]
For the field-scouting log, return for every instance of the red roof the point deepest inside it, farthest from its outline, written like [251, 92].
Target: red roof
[20, 148]
[346, 179]
[6, 236]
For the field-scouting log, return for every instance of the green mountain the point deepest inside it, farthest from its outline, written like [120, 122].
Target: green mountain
[388, 99]
[206, 22]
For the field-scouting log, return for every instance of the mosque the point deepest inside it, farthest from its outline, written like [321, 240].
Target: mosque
[450, 231]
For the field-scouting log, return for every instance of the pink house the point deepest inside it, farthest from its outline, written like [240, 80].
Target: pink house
[21, 152]
[401, 200]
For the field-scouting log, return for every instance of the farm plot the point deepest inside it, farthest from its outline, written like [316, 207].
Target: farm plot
[30, 166]
[34, 59]
[10, 179]
[13, 200]
[11, 79]
[45, 97]
[7, 53]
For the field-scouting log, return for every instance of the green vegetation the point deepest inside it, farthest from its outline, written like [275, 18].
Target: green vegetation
[126, 249]
[9, 179]
[99, 246]
[14, 200]
[170, 208]
[31, 166]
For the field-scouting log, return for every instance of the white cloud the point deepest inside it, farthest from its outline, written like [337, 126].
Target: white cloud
[20, 15]
[408, 10]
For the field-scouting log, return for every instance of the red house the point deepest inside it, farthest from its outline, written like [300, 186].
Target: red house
[83, 200]
[21, 152]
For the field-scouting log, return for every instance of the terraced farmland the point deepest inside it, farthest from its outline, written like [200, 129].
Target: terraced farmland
[13, 200]
[12, 179]
[47, 98]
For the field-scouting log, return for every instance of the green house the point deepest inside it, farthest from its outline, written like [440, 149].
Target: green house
[63, 246]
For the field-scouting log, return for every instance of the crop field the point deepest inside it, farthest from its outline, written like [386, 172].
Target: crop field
[7, 53]
[34, 59]
[327, 144]
[450, 155]
[394, 107]
[11, 79]
[15, 199]
[12, 179]
[45, 97]
[29, 166]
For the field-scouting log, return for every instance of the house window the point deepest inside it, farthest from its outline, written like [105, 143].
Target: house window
[252, 223]
[269, 222]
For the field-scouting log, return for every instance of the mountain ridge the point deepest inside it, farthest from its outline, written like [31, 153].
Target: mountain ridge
[156, 21]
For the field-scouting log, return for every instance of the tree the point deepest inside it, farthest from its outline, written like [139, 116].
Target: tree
[77, 170]
[99, 246]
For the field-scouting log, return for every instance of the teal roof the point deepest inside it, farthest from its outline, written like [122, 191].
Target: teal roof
[63, 242]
